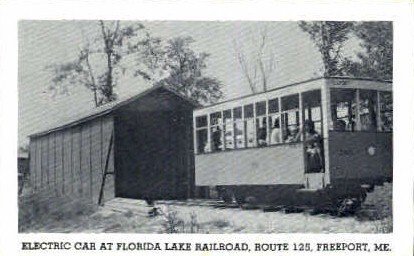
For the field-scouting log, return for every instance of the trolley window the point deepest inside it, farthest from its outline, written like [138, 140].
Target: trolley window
[274, 106]
[201, 121]
[343, 109]
[261, 124]
[239, 133]
[312, 108]
[290, 118]
[386, 107]
[368, 110]
[201, 134]
[228, 130]
[275, 128]
[249, 126]
[216, 131]
[261, 108]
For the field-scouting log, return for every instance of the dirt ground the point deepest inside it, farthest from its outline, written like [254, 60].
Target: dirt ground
[200, 216]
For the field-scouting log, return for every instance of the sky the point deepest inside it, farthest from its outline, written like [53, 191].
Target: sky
[43, 43]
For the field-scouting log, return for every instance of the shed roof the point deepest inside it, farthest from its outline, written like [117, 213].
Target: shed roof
[107, 109]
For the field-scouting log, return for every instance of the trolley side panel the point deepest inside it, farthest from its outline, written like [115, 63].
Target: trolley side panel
[281, 164]
[360, 156]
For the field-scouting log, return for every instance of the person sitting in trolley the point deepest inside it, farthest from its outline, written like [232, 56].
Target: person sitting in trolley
[216, 138]
[262, 133]
[340, 125]
[313, 148]
[292, 134]
[275, 135]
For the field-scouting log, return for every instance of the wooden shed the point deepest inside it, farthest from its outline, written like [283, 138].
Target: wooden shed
[138, 148]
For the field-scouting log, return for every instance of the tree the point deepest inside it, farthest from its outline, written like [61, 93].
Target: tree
[150, 58]
[98, 64]
[175, 65]
[258, 66]
[329, 37]
[375, 60]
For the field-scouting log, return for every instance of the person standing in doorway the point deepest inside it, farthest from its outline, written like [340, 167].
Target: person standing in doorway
[314, 148]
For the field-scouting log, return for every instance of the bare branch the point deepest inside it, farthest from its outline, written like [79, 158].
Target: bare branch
[257, 65]
[245, 71]
[92, 77]
[115, 34]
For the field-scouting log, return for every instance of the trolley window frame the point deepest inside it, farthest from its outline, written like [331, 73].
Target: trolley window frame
[240, 120]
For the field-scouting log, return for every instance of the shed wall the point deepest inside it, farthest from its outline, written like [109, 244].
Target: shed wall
[70, 162]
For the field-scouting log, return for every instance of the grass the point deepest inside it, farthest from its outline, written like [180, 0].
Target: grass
[130, 216]
[37, 210]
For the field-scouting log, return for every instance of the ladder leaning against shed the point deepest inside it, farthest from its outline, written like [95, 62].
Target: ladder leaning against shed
[105, 173]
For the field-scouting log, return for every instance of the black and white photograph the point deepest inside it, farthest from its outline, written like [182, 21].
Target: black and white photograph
[207, 127]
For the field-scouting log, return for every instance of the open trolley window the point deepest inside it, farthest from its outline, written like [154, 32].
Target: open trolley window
[274, 121]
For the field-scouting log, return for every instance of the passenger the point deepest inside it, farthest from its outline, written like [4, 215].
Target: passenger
[207, 147]
[351, 124]
[314, 148]
[292, 134]
[262, 134]
[275, 135]
[286, 134]
[216, 138]
[340, 125]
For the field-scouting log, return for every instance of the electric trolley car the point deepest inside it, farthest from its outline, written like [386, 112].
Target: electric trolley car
[254, 148]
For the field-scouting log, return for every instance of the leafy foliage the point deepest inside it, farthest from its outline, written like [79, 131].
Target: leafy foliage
[101, 62]
[175, 65]
[329, 37]
[376, 41]
[98, 65]
[376, 38]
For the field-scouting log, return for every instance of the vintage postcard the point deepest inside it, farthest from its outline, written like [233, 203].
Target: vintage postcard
[222, 136]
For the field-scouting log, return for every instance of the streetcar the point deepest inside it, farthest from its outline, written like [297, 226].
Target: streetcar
[255, 149]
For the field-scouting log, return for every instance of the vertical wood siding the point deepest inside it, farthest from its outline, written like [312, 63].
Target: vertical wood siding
[67, 161]
[44, 159]
[32, 161]
[58, 163]
[76, 161]
[96, 156]
[70, 162]
[107, 129]
[85, 161]
[51, 163]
